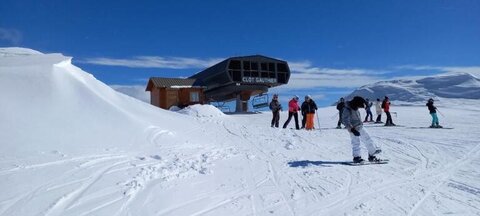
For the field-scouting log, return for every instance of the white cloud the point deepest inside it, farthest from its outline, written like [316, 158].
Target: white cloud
[11, 35]
[304, 75]
[155, 62]
[307, 67]
[135, 91]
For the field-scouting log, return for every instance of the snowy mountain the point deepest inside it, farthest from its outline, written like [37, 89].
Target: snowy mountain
[71, 145]
[454, 85]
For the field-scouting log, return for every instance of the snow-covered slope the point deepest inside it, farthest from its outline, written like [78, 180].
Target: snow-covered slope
[454, 85]
[70, 145]
[47, 101]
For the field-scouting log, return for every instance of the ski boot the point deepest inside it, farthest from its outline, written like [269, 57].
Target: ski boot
[438, 126]
[372, 158]
[358, 160]
[339, 127]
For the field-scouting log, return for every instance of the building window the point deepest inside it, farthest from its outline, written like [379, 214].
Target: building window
[282, 67]
[264, 66]
[234, 65]
[282, 77]
[254, 66]
[194, 97]
[246, 65]
[271, 67]
[237, 76]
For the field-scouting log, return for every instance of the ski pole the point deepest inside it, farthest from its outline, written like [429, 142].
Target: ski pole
[318, 121]
[440, 113]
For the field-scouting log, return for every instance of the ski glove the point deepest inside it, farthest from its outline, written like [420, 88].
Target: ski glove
[355, 132]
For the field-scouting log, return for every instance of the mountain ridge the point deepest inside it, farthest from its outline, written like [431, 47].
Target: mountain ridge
[452, 85]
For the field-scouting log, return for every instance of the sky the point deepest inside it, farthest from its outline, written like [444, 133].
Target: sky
[332, 47]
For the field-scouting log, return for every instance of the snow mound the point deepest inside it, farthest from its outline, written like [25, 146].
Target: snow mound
[48, 103]
[454, 85]
[202, 111]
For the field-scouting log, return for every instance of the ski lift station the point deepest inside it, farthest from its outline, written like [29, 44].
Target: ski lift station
[233, 79]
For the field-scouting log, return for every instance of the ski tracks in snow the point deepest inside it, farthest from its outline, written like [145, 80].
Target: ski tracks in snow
[445, 174]
[73, 180]
[420, 167]
[261, 190]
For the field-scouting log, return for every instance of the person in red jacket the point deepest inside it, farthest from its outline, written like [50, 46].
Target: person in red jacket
[386, 108]
[293, 109]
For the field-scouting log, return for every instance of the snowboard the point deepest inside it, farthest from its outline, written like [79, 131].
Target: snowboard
[383, 126]
[430, 128]
[351, 163]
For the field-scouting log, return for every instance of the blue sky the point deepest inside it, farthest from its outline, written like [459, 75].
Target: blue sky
[332, 46]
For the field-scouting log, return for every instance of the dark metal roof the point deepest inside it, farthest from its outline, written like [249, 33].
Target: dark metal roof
[161, 82]
[256, 57]
[221, 67]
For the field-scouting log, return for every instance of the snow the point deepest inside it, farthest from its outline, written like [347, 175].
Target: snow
[201, 111]
[17, 51]
[71, 145]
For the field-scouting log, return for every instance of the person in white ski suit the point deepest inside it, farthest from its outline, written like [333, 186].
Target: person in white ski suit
[353, 122]
[379, 110]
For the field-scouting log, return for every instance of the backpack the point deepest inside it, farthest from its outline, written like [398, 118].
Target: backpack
[383, 104]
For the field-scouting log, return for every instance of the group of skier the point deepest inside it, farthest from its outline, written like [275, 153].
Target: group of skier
[380, 107]
[349, 116]
[308, 109]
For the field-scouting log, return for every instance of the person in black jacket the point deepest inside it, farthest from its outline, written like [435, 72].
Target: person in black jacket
[276, 107]
[340, 106]
[308, 110]
[433, 113]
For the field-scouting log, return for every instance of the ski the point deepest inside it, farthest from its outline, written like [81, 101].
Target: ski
[430, 128]
[383, 126]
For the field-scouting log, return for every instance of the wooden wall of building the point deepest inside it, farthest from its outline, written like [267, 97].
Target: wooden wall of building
[155, 97]
[167, 97]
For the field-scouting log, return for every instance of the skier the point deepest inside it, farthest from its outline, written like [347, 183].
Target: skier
[353, 121]
[304, 113]
[378, 109]
[368, 105]
[309, 109]
[340, 106]
[386, 108]
[293, 111]
[433, 113]
[276, 107]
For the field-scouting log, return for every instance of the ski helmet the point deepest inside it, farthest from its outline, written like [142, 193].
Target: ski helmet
[357, 102]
